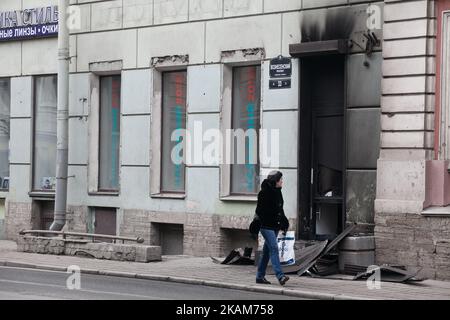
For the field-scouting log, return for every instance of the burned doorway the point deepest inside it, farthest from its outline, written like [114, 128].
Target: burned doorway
[322, 147]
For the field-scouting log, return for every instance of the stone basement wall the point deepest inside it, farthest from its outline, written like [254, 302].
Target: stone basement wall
[204, 235]
[107, 251]
[2, 229]
[17, 218]
[414, 241]
[77, 217]
[40, 245]
[201, 233]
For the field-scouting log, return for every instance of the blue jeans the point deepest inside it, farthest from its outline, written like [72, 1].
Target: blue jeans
[270, 251]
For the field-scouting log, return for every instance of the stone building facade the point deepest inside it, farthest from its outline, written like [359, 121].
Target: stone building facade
[411, 213]
[359, 125]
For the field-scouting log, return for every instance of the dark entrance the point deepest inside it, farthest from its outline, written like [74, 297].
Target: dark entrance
[169, 236]
[322, 147]
[43, 214]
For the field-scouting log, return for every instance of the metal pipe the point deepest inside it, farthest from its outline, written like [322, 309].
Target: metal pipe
[62, 118]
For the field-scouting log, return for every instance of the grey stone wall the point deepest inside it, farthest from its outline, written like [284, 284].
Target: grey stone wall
[77, 219]
[107, 251]
[2, 229]
[18, 217]
[414, 241]
[204, 235]
[40, 245]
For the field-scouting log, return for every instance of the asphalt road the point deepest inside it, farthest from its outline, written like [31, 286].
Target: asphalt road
[27, 284]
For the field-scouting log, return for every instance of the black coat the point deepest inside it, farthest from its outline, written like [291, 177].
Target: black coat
[270, 207]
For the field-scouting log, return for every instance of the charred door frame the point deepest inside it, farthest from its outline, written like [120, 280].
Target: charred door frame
[306, 216]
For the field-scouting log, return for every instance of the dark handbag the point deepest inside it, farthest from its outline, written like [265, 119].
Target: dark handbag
[255, 225]
[283, 222]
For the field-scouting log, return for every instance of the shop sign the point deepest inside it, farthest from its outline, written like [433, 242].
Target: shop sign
[29, 23]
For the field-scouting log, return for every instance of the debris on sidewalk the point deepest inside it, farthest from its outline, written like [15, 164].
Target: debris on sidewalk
[390, 274]
[327, 265]
[304, 257]
[320, 260]
[237, 257]
[353, 270]
[307, 266]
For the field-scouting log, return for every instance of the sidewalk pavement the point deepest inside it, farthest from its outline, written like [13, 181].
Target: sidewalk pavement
[203, 271]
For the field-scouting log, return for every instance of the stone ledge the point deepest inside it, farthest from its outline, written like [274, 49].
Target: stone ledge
[393, 206]
[436, 212]
[107, 251]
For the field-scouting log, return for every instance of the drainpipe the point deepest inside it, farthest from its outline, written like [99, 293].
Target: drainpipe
[62, 118]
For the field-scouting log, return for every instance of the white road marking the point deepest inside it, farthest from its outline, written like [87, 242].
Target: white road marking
[81, 290]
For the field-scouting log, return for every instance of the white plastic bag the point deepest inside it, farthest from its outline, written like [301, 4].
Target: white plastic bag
[286, 248]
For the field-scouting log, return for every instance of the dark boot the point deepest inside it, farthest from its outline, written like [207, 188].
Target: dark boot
[262, 281]
[283, 280]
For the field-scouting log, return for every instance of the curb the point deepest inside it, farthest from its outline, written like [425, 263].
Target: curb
[208, 283]
[19, 265]
[50, 268]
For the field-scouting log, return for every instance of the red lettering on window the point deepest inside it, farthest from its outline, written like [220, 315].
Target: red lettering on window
[251, 84]
[179, 89]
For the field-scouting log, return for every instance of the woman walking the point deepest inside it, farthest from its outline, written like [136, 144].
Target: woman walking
[271, 215]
